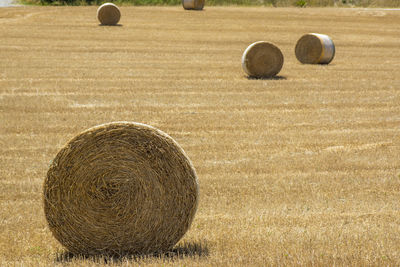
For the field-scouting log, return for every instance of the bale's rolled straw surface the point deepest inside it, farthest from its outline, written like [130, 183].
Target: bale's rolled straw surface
[262, 59]
[193, 4]
[108, 14]
[120, 188]
[314, 48]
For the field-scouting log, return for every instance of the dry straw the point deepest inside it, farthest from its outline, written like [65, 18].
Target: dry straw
[314, 48]
[262, 59]
[108, 14]
[193, 4]
[120, 188]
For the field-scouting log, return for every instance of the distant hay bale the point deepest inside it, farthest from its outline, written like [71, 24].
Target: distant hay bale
[193, 4]
[120, 188]
[314, 48]
[262, 59]
[108, 14]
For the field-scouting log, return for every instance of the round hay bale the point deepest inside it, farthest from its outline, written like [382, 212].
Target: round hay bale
[193, 4]
[120, 188]
[108, 14]
[314, 48]
[262, 59]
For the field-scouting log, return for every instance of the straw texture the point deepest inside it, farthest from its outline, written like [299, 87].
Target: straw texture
[193, 4]
[108, 14]
[314, 48]
[120, 188]
[262, 59]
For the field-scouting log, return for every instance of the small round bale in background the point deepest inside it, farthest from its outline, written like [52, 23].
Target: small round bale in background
[315, 48]
[193, 4]
[262, 60]
[108, 14]
[120, 188]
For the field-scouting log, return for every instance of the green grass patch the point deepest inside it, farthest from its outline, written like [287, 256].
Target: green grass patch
[275, 3]
[146, 2]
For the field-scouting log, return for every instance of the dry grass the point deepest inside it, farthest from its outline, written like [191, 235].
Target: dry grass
[299, 170]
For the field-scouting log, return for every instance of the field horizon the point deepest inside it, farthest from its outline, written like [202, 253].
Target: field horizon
[301, 169]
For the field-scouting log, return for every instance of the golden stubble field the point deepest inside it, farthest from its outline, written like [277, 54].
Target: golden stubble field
[298, 170]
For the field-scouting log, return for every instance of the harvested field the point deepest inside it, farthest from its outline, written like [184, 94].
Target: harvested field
[302, 169]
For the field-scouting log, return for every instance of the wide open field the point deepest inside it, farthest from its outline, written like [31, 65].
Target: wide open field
[299, 170]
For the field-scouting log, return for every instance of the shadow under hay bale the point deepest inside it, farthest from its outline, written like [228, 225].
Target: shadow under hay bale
[274, 78]
[185, 250]
[262, 60]
[116, 25]
[315, 48]
[108, 14]
[120, 188]
[193, 4]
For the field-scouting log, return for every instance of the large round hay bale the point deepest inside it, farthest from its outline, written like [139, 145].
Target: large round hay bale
[262, 59]
[315, 48]
[108, 14]
[193, 4]
[120, 188]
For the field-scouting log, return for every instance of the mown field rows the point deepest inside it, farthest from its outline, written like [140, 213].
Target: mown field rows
[298, 170]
